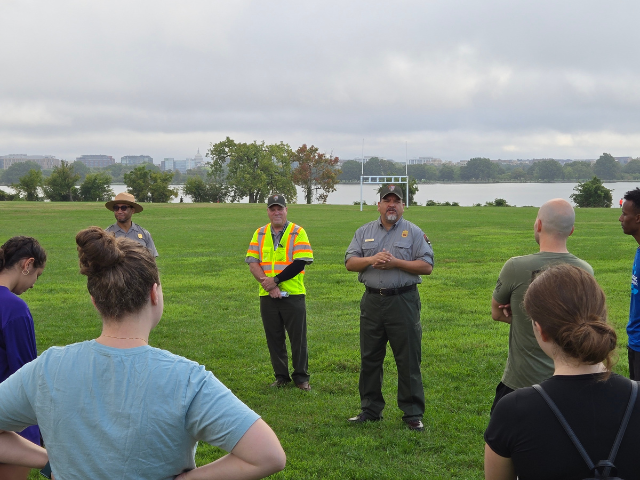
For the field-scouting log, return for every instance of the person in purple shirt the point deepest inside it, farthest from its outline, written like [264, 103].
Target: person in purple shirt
[22, 261]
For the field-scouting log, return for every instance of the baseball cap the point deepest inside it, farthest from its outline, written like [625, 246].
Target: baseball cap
[277, 199]
[387, 189]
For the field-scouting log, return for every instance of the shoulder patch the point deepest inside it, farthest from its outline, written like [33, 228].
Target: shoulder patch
[426, 239]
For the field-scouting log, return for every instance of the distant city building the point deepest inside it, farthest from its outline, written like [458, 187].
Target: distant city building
[45, 161]
[135, 159]
[198, 160]
[424, 161]
[167, 164]
[171, 164]
[623, 160]
[96, 161]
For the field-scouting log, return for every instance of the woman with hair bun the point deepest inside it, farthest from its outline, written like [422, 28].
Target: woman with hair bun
[524, 438]
[114, 407]
[22, 261]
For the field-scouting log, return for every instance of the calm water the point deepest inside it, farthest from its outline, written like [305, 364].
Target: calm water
[518, 194]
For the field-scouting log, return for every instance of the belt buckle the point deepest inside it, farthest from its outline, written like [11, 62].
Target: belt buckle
[381, 294]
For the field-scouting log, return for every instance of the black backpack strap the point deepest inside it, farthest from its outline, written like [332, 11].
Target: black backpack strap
[606, 465]
[623, 426]
[566, 426]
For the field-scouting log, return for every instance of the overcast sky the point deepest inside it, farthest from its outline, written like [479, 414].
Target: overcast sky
[448, 79]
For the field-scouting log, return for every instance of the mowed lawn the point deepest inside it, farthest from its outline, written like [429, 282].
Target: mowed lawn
[212, 316]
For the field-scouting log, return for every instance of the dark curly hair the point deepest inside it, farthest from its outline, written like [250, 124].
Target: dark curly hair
[19, 248]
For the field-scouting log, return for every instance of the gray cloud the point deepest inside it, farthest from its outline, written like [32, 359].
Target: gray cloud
[450, 79]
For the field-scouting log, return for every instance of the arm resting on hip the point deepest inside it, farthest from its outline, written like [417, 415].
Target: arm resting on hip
[258, 454]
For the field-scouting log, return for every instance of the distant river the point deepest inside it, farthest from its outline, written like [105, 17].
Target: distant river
[466, 194]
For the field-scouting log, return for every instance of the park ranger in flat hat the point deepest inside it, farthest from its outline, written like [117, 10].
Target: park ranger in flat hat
[123, 208]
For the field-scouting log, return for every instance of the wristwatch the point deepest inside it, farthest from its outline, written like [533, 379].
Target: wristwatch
[276, 279]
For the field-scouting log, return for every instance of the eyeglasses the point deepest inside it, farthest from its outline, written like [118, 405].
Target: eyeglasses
[120, 207]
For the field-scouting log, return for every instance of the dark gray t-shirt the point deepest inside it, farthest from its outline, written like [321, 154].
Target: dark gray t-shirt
[527, 364]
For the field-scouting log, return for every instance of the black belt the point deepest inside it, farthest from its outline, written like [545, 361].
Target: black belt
[387, 292]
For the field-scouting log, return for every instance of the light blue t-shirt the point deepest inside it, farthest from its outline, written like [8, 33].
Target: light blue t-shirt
[121, 413]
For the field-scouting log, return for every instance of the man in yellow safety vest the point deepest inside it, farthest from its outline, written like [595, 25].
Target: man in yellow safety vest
[277, 255]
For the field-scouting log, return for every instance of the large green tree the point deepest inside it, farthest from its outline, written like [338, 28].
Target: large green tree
[316, 173]
[547, 170]
[379, 166]
[578, 170]
[480, 169]
[81, 169]
[96, 187]
[633, 167]
[351, 171]
[138, 181]
[447, 173]
[607, 167]
[159, 190]
[253, 170]
[28, 186]
[592, 193]
[17, 170]
[60, 186]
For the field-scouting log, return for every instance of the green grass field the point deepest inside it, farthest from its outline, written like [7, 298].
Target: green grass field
[212, 316]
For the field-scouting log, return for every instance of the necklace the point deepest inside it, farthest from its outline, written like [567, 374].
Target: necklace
[125, 338]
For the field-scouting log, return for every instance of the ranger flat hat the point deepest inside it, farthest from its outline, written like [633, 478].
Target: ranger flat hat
[387, 189]
[277, 199]
[125, 198]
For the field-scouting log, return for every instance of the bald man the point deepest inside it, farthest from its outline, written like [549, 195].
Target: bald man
[527, 364]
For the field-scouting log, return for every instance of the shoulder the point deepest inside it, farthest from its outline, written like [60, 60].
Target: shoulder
[136, 227]
[404, 223]
[582, 264]
[369, 226]
[111, 228]
[12, 305]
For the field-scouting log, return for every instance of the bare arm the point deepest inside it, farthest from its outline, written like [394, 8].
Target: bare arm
[258, 454]
[267, 282]
[497, 467]
[16, 450]
[500, 313]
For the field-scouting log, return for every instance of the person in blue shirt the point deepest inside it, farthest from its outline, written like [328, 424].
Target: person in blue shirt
[22, 261]
[630, 223]
[115, 407]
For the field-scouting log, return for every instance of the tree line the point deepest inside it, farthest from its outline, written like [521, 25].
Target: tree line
[145, 182]
[484, 170]
[235, 170]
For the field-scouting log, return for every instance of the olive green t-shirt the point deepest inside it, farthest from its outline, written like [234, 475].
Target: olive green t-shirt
[527, 364]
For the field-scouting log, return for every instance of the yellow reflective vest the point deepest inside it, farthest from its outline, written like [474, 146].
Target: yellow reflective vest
[294, 245]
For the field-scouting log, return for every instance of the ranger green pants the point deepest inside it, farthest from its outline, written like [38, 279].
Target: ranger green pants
[394, 319]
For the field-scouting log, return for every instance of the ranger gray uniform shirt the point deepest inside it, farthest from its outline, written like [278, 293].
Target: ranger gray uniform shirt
[404, 240]
[137, 233]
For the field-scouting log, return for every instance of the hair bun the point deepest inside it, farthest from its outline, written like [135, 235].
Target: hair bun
[97, 250]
